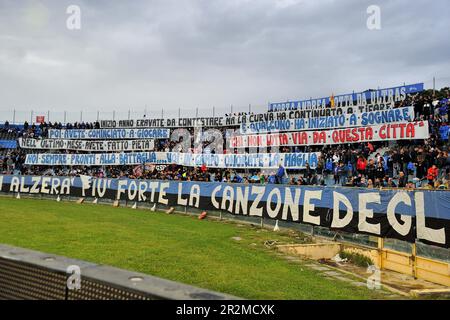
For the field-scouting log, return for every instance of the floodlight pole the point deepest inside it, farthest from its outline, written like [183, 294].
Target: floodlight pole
[434, 87]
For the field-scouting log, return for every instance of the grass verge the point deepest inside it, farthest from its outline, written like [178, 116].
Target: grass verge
[176, 247]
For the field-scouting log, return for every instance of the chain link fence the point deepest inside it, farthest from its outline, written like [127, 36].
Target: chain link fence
[19, 116]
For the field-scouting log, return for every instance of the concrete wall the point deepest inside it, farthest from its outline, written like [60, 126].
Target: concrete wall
[313, 251]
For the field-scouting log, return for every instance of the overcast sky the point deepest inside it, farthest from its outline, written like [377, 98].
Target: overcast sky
[193, 53]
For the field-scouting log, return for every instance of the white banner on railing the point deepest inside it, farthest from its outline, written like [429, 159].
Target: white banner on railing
[104, 134]
[84, 145]
[245, 161]
[332, 122]
[386, 132]
[229, 121]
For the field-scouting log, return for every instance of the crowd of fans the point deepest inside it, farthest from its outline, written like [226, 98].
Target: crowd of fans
[401, 164]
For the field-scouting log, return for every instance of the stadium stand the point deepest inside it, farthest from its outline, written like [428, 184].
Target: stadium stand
[409, 163]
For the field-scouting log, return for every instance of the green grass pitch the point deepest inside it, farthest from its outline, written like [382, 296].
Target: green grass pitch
[176, 247]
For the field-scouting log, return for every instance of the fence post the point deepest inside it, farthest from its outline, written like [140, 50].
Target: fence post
[31, 117]
[380, 252]
[14, 116]
[262, 222]
[414, 260]
[65, 118]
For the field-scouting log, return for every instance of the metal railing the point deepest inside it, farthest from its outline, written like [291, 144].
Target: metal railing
[17, 116]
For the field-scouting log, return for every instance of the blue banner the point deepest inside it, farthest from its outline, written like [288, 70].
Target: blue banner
[401, 214]
[369, 97]
[8, 144]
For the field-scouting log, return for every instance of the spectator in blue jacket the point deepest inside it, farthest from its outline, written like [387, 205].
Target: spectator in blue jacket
[280, 174]
[444, 132]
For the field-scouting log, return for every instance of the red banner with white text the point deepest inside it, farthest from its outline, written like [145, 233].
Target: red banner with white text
[386, 132]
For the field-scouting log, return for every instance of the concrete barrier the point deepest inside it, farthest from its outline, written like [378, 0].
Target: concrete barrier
[28, 274]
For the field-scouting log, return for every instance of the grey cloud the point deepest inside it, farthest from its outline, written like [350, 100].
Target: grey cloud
[190, 53]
